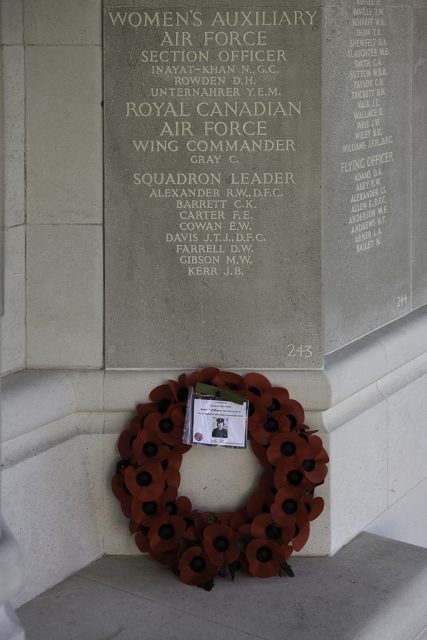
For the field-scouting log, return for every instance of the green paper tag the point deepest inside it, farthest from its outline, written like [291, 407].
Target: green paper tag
[217, 392]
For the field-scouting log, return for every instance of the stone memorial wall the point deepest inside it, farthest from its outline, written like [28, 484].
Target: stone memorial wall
[366, 168]
[257, 180]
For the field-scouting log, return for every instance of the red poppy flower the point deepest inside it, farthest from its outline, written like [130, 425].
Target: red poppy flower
[225, 517]
[144, 409]
[133, 526]
[181, 448]
[294, 411]
[256, 383]
[146, 447]
[314, 506]
[276, 399]
[163, 397]
[168, 426]
[121, 493]
[192, 535]
[172, 477]
[286, 446]
[260, 450]
[262, 497]
[244, 531]
[228, 379]
[168, 558]
[239, 518]
[195, 567]
[141, 539]
[290, 472]
[178, 507]
[265, 557]
[172, 461]
[313, 460]
[220, 544]
[301, 536]
[166, 533]
[204, 375]
[127, 437]
[264, 526]
[146, 512]
[267, 426]
[203, 519]
[288, 506]
[146, 482]
[179, 389]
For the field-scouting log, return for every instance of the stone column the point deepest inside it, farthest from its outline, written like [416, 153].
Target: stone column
[11, 566]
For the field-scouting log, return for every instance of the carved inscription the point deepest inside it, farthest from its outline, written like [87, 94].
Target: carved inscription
[213, 127]
[212, 185]
[368, 152]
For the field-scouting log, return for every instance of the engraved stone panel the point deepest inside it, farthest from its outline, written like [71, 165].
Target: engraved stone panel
[419, 177]
[212, 185]
[366, 168]
[259, 202]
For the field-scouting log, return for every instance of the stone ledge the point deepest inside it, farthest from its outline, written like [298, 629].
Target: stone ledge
[355, 379]
[373, 588]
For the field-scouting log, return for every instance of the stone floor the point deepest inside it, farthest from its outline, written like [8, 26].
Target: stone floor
[373, 589]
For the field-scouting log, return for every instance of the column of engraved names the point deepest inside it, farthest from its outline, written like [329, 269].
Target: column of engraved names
[214, 100]
[370, 148]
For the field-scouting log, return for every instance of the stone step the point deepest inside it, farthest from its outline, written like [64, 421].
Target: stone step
[372, 589]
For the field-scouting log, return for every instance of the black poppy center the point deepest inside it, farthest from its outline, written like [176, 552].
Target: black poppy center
[221, 543]
[292, 420]
[294, 477]
[275, 405]
[273, 532]
[255, 391]
[166, 531]
[271, 425]
[165, 464]
[171, 508]
[264, 554]
[288, 449]
[150, 449]
[197, 564]
[150, 507]
[163, 405]
[289, 506]
[144, 479]
[308, 465]
[166, 425]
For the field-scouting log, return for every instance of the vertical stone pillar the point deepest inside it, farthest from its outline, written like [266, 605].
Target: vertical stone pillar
[10, 559]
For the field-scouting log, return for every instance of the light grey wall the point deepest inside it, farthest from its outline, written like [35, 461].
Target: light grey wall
[53, 76]
[13, 321]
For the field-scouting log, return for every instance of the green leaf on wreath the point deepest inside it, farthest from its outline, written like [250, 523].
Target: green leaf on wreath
[208, 586]
[286, 570]
[232, 570]
[212, 519]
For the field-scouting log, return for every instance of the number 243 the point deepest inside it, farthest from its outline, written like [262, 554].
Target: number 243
[301, 351]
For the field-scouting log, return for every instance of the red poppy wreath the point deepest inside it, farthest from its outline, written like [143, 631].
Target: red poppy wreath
[198, 545]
